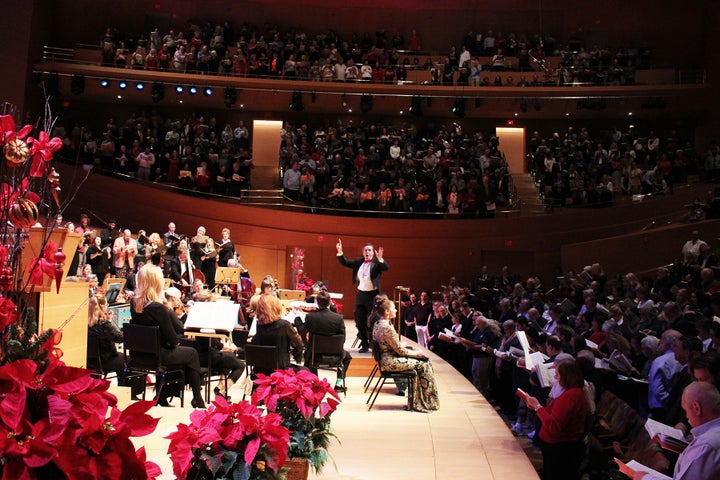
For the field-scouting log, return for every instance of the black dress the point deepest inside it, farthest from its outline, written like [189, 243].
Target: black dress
[107, 335]
[282, 335]
[172, 354]
[226, 251]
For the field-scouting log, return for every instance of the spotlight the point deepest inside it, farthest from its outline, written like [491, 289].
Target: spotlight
[230, 96]
[104, 83]
[416, 106]
[179, 89]
[77, 84]
[140, 86]
[193, 90]
[458, 108]
[158, 91]
[207, 91]
[122, 84]
[366, 103]
[296, 102]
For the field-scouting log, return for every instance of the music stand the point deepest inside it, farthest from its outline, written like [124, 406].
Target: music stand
[227, 275]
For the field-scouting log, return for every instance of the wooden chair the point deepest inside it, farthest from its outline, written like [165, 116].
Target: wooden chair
[385, 375]
[327, 353]
[141, 347]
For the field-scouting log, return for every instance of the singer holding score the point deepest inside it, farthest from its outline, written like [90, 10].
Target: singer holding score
[366, 273]
[563, 424]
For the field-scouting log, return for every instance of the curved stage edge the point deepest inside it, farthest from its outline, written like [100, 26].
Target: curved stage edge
[466, 438]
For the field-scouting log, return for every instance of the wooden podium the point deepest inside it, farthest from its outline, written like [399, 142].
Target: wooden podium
[67, 310]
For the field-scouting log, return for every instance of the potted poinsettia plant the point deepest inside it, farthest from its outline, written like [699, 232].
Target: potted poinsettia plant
[57, 421]
[305, 404]
[235, 440]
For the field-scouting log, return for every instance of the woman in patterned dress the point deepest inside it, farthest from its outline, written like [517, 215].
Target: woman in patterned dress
[397, 358]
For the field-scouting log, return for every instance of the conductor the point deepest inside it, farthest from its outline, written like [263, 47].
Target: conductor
[366, 273]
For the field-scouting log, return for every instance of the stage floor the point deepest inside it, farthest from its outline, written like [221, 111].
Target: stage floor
[466, 438]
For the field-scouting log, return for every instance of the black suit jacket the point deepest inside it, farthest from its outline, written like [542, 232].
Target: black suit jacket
[323, 322]
[375, 270]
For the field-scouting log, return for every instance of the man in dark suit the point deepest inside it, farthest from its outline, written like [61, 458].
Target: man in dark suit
[366, 273]
[324, 322]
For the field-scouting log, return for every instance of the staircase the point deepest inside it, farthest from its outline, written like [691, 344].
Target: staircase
[531, 203]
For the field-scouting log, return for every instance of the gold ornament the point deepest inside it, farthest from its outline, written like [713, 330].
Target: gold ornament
[16, 151]
[23, 213]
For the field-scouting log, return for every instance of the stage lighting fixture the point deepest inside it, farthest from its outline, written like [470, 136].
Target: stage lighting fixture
[416, 106]
[230, 97]
[366, 103]
[179, 89]
[104, 83]
[458, 108]
[296, 102]
[193, 90]
[158, 91]
[344, 101]
[140, 86]
[122, 84]
[207, 91]
[77, 84]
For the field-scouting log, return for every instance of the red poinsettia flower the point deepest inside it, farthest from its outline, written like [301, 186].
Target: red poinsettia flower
[152, 469]
[303, 389]
[8, 130]
[8, 312]
[42, 151]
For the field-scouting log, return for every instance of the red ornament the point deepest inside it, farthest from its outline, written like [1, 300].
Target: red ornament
[60, 257]
[58, 278]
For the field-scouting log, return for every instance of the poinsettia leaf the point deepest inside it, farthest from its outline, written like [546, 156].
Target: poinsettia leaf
[134, 418]
[13, 406]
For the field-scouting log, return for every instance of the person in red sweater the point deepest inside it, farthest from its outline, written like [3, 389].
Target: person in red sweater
[563, 425]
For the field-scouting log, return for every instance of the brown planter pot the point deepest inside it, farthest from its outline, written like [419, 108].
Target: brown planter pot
[299, 468]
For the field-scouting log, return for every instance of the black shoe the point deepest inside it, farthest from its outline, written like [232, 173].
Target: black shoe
[400, 393]
[163, 402]
[364, 350]
[340, 389]
[218, 393]
[197, 403]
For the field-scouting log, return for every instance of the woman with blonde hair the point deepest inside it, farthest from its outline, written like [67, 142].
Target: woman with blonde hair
[396, 358]
[148, 309]
[103, 331]
[274, 330]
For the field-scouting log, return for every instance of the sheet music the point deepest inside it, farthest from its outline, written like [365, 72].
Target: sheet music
[219, 316]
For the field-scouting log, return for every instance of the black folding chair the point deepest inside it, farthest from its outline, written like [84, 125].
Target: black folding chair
[408, 375]
[260, 359]
[141, 347]
[327, 353]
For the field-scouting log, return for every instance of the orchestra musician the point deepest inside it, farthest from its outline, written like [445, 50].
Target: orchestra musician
[208, 262]
[225, 248]
[197, 244]
[172, 240]
[182, 270]
[125, 251]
